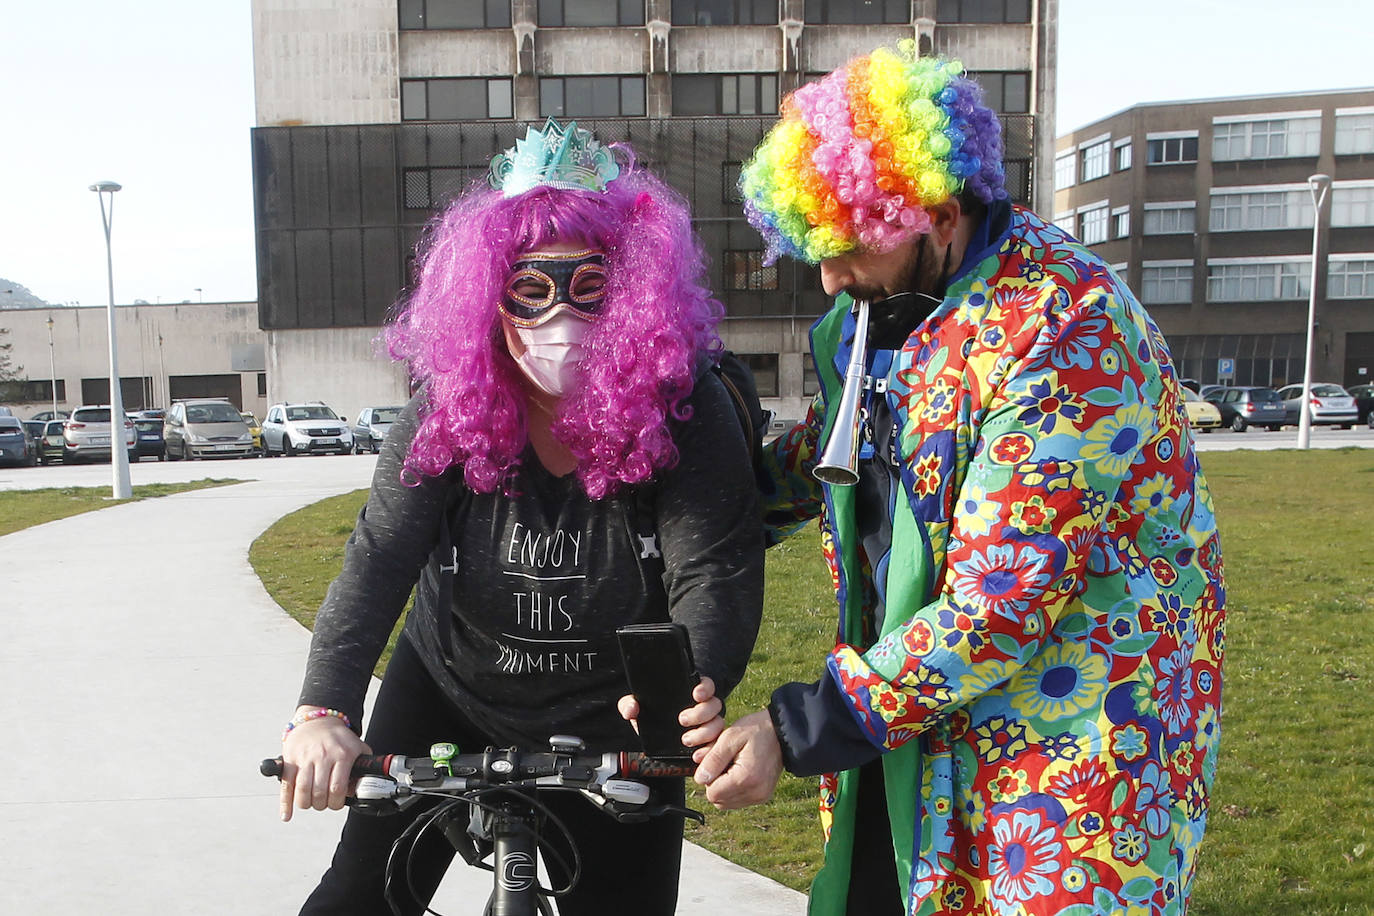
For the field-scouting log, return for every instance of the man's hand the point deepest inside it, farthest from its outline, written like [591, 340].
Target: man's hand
[702, 722]
[743, 766]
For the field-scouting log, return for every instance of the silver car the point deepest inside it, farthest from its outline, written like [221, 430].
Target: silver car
[1331, 405]
[87, 433]
[371, 428]
[205, 428]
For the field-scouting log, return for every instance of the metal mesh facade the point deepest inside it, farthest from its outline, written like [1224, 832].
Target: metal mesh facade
[340, 209]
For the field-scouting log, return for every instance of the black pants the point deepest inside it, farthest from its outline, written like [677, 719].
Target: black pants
[630, 868]
[873, 887]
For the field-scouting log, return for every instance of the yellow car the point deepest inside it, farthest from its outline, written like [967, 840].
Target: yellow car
[1202, 414]
[255, 428]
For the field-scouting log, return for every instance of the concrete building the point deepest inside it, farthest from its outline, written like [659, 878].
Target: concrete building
[1204, 207]
[211, 349]
[371, 117]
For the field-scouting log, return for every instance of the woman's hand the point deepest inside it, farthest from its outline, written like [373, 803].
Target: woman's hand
[317, 762]
[703, 722]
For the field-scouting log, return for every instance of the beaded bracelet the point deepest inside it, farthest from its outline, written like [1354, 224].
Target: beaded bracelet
[302, 717]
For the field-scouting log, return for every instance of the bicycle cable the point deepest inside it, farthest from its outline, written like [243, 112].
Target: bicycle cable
[416, 830]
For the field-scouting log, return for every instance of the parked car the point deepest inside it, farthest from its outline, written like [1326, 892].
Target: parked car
[16, 446]
[35, 430]
[150, 440]
[254, 430]
[1242, 408]
[1364, 401]
[1207, 391]
[87, 434]
[46, 415]
[6, 411]
[205, 428]
[292, 429]
[1331, 405]
[371, 428]
[52, 443]
[1202, 415]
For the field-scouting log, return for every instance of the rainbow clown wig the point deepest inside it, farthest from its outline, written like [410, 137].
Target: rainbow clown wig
[860, 153]
[639, 358]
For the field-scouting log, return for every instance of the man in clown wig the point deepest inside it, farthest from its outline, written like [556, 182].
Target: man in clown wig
[1020, 714]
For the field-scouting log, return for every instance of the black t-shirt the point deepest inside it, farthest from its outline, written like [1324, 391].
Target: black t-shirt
[518, 598]
[522, 613]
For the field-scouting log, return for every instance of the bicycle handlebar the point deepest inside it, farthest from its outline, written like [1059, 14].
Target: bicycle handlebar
[614, 777]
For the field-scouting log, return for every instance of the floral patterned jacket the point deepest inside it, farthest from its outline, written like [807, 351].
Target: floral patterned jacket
[1046, 688]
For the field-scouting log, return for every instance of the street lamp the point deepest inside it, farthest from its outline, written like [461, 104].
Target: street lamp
[52, 369]
[200, 293]
[1319, 185]
[119, 455]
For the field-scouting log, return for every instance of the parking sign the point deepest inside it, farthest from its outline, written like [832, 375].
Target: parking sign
[1226, 369]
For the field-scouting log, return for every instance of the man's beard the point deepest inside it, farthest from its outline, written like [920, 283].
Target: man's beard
[893, 318]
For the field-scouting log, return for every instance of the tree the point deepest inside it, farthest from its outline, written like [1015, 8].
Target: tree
[9, 372]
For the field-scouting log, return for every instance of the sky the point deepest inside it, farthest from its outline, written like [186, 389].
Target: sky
[158, 96]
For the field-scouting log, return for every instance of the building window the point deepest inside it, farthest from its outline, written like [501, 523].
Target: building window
[811, 383]
[1007, 91]
[1092, 225]
[591, 96]
[1066, 222]
[1097, 160]
[1354, 132]
[454, 14]
[1246, 210]
[1170, 219]
[858, 12]
[262, 384]
[455, 99]
[428, 189]
[695, 95]
[22, 391]
[1352, 206]
[1017, 179]
[1169, 150]
[1123, 155]
[729, 183]
[1121, 222]
[745, 270]
[1065, 170]
[590, 13]
[765, 369]
[1266, 138]
[1257, 281]
[983, 11]
[1350, 279]
[725, 12]
[1162, 284]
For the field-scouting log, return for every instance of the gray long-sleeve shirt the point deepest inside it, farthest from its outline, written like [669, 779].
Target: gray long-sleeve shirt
[518, 597]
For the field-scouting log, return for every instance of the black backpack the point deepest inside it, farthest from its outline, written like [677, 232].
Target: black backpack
[738, 380]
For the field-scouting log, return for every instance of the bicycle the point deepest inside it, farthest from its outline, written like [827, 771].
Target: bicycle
[507, 827]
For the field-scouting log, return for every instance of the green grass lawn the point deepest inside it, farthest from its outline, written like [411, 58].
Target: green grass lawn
[1292, 826]
[24, 508]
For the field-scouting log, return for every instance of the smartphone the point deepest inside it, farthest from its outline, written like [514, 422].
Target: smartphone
[661, 674]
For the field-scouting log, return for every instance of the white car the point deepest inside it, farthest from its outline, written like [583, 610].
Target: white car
[304, 429]
[86, 434]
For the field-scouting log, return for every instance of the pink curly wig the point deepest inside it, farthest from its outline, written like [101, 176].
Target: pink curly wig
[640, 357]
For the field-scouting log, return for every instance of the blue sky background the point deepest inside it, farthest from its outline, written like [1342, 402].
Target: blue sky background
[158, 96]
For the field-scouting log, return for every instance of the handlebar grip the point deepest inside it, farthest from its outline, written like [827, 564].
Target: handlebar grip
[633, 763]
[365, 765]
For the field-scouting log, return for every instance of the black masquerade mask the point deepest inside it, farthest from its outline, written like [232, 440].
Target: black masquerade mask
[544, 283]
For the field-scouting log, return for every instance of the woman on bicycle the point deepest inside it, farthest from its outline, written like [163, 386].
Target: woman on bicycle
[569, 465]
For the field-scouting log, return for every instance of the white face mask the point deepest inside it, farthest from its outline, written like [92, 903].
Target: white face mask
[552, 351]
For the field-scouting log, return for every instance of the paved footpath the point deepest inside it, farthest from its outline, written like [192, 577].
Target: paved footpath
[144, 672]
